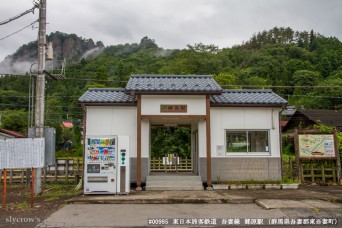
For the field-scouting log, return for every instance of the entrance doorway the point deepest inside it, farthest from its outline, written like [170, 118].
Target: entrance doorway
[171, 149]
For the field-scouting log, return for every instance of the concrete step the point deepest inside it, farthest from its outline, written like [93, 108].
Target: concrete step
[174, 188]
[174, 182]
[173, 178]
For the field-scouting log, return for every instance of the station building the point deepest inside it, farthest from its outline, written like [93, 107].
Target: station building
[235, 134]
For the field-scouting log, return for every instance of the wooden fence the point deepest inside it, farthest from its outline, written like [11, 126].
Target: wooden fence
[289, 168]
[184, 165]
[322, 171]
[67, 169]
[70, 169]
[319, 171]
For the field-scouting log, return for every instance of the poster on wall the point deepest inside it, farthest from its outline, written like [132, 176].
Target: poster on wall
[22, 153]
[220, 150]
[101, 150]
[316, 146]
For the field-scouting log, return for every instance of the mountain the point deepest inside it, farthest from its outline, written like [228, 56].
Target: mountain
[69, 46]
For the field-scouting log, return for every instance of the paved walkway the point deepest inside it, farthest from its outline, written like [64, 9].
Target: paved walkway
[325, 193]
[139, 208]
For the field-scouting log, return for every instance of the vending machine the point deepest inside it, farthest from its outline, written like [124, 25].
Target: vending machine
[106, 167]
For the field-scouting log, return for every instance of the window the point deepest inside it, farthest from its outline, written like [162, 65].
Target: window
[247, 141]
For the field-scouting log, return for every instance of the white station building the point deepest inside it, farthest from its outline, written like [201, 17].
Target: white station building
[235, 134]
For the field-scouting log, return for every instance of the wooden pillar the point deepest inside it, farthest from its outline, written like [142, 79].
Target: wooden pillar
[207, 121]
[139, 142]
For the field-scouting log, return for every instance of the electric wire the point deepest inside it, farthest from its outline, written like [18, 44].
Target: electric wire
[283, 95]
[19, 30]
[36, 5]
[245, 86]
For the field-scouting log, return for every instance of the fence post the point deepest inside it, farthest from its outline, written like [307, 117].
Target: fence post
[323, 171]
[22, 176]
[312, 172]
[78, 167]
[67, 169]
[302, 171]
[44, 170]
[290, 168]
[28, 174]
[333, 171]
[11, 176]
[56, 167]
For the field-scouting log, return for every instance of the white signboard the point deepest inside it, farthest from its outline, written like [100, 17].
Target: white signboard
[22, 153]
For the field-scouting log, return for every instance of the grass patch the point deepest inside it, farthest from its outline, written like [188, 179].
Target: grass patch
[52, 198]
[14, 186]
[55, 191]
[22, 205]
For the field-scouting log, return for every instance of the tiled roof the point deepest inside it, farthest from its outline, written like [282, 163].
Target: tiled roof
[13, 133]
[326, 117]
[247, 98]
[227, 98]
[105, 95]
[172, 84]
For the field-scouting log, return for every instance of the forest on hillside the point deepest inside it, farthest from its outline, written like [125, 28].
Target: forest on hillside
[303, 67]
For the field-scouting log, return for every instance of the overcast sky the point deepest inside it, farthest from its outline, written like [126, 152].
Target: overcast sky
[172, 23]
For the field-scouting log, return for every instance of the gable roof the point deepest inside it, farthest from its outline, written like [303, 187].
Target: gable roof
[105, 95]
[172, 84]
[326, 117]
[247, 98]
[13, 133]
[227, 98]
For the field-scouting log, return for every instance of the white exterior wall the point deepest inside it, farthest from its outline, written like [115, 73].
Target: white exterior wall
[150, 104]
[244, 118]
[145, 138]
[202, 138]
[113, 120]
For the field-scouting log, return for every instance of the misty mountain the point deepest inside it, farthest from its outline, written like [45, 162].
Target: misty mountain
[69, 46]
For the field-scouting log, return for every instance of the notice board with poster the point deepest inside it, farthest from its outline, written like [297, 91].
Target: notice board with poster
[22, 153]
[317, 149]
[316, 146]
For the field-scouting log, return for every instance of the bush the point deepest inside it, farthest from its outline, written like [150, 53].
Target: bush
[288, 146]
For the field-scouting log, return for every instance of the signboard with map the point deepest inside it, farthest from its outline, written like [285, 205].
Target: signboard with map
[316, 146]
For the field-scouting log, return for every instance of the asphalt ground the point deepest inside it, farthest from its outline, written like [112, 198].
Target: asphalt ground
[308, 206]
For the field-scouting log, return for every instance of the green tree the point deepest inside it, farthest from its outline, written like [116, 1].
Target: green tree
[306, 79]
[102, 75]
[170, 140]
[225, 79]
[15, 120]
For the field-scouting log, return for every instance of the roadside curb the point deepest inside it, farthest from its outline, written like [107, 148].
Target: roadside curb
[160, 201]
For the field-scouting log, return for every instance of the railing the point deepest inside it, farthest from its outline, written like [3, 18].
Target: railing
[311, 171]
[158, 165]
[64, 169]
[289, 168]
[319, 171]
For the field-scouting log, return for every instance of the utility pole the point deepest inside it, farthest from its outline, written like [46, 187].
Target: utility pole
[40, 87]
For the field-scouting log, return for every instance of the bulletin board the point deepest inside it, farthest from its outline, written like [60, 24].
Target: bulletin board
[22, 153]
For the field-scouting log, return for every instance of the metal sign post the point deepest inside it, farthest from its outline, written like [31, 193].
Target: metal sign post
[4, 191]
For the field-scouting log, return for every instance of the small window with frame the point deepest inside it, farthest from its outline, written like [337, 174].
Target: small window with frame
[247, 141]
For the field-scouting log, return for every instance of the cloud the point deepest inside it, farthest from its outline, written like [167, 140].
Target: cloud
[92, 53]
[20, 67]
